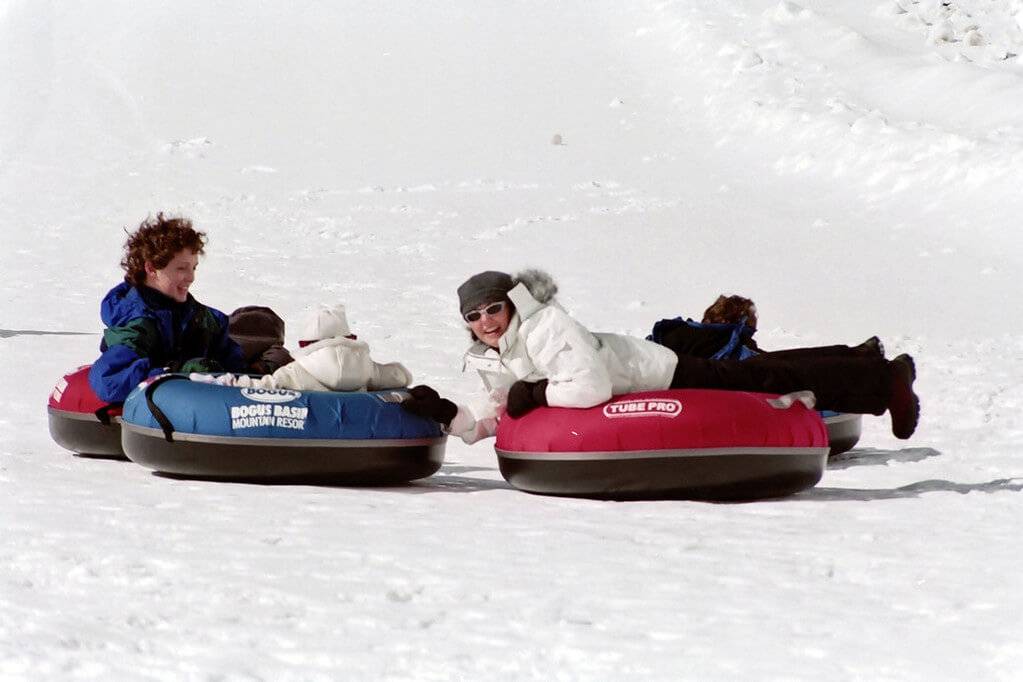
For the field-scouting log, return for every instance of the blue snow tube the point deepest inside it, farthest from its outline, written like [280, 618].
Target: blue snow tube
[189, 429]
[844, 430]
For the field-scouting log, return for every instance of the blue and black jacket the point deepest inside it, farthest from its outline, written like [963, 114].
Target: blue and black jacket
[714, 341]
[149, 333]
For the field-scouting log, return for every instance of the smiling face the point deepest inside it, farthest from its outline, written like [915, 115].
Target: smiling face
[490, 327]
[176, 277]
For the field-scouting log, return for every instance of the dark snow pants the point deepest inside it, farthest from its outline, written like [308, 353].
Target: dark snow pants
[844, 380]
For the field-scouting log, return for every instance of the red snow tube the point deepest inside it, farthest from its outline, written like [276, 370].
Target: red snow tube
[688, 443]
[80, 421]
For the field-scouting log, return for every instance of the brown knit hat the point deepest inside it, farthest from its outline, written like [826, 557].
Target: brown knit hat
[255, 328]
[484, 287]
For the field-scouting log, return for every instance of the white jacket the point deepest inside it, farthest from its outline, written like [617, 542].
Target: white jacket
[334, 364]
[542, 341]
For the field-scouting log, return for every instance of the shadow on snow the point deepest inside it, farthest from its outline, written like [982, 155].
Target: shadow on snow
[874, 456]
[450, 480]
[8, 333]
[911, 490]
[441, 482]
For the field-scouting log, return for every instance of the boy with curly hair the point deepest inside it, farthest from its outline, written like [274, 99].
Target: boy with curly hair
[153, 324]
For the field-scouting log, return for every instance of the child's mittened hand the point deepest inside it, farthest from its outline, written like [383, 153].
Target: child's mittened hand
[222, 380]
[426, 402]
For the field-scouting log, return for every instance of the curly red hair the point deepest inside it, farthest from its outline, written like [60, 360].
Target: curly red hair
[157, 240]
[730, 310]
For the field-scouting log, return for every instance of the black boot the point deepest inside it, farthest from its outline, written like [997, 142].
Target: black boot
[871, 346]
[904, 406]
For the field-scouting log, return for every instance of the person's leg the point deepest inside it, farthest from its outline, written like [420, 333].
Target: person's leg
[843, 384]
[859, 385]
[872, 347]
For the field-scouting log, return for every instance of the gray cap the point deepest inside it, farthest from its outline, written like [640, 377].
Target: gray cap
[484, 287]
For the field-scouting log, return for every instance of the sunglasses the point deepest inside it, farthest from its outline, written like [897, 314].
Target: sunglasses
[492, 309]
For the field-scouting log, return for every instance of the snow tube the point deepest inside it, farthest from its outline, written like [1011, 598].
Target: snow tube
[687, 443]
[195, 430]
[80, 421]
[844, 431]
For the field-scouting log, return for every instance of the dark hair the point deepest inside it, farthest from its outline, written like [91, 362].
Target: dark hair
[157, 240]
[730, 310]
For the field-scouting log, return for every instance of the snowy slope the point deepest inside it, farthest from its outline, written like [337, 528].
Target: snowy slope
[852, 166]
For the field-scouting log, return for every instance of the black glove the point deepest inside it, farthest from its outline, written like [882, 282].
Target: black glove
[524, 396]
[426, 402]
[206, 365]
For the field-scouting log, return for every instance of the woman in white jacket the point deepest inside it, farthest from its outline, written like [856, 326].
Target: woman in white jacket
[330, 358]
[529, 352]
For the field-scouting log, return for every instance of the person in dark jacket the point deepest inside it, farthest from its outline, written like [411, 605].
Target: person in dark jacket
[153, 324]
[726, 333]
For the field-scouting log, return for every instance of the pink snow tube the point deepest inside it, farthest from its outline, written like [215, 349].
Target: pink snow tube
[80, 421]
[689, 443]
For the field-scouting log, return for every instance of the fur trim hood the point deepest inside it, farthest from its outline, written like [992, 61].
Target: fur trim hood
[541, 285]
[533, 290]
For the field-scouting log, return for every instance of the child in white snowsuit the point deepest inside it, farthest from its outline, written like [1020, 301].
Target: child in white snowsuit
[330, 358]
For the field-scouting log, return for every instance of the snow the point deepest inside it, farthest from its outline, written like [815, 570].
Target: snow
[852, 166]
